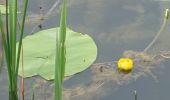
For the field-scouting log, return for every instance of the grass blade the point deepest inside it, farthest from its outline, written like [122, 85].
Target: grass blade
[21, 35]
[62, 36]
[60, 54]
[9, 43]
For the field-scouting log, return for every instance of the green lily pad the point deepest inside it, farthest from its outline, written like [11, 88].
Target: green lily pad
[39, 53]
[3, 9]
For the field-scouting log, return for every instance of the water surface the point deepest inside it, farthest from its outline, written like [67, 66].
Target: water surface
[116, 26]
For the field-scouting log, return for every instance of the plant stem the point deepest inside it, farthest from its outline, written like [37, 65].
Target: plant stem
[160, 30]
[60, 54]
[9, 43]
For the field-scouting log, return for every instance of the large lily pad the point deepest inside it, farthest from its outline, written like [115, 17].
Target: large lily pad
[39, 53]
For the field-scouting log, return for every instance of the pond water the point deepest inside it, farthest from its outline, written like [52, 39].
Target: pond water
[116, 26]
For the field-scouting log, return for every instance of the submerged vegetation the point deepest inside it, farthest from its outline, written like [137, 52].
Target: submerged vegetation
[104, 73]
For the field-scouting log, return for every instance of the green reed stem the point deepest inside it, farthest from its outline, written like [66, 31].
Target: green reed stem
[60, 54]
[21, 36]
[9, 43]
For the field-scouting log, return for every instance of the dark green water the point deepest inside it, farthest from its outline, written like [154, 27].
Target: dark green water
[116, 26]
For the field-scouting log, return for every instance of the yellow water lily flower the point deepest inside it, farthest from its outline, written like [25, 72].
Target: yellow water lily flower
[125, 64]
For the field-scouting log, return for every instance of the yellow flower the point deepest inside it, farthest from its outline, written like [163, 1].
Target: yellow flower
[125, 64]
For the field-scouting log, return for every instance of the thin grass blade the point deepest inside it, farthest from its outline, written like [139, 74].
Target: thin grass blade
[60, 54]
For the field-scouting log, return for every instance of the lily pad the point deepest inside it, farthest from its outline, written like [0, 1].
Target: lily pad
[39, 53]
[3, 9]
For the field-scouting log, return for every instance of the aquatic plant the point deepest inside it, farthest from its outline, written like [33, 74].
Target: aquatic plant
[3, 9]
[42, 62]
[107, 72]
[125, 64]
[9, 39]
[60, 58]
[166, 16]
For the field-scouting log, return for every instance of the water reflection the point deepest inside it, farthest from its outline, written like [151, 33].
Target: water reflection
[41, 13]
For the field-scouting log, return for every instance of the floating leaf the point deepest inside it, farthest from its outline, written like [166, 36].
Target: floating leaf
[39, 53]
[3, 9]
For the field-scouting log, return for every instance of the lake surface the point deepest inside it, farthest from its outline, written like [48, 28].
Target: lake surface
[116, 26]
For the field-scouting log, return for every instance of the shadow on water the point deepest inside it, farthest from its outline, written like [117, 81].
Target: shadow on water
[119, 28]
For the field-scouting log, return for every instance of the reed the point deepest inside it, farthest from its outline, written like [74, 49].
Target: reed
[60, 54]
[9, 40]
